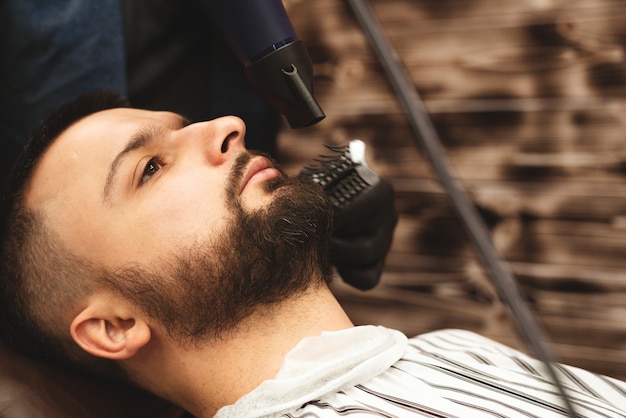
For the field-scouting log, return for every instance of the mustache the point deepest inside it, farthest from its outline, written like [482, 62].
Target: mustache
[237, 172]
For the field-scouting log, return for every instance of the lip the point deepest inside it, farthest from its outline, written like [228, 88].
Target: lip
[259, 169]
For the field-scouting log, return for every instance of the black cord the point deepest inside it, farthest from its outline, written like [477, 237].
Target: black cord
[428, 140]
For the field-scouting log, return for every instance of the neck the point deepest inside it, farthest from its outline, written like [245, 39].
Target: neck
[206, 377]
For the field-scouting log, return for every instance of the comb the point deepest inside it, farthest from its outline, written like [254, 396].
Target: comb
[344, 175]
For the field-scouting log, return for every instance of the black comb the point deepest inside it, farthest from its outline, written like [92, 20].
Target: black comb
[345, 175]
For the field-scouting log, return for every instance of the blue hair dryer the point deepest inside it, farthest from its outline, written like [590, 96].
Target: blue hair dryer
[276, 63]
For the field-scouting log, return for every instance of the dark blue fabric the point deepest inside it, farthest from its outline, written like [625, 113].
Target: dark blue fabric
[53, 50]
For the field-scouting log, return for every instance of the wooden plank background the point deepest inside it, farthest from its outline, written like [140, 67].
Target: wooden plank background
[528, 97]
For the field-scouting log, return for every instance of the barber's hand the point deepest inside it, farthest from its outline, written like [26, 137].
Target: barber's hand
[363, 231]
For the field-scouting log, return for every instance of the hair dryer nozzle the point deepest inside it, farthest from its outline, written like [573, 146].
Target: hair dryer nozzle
[285, 79]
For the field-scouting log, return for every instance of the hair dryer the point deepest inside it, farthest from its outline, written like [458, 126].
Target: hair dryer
[276, 63]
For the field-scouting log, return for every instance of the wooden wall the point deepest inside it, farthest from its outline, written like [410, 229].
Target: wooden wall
[528, 97]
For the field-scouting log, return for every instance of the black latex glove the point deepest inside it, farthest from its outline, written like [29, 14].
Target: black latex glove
[364, 214]
[362, 235]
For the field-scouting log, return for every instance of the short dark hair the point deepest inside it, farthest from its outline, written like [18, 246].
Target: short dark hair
[38, 275]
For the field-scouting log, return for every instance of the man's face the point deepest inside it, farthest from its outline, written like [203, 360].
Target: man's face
[128, 185]
[189, 226]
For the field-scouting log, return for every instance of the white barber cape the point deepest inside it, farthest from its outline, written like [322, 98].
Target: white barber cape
[371, 371]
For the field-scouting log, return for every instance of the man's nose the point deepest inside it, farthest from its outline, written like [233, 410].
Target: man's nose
[219, 138]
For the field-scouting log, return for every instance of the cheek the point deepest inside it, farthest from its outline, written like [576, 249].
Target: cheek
[175, 215]
[160, 222]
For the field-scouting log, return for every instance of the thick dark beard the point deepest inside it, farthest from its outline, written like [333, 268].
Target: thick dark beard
[264, 257]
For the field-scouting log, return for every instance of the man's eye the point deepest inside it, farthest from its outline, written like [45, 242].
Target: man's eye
[152, 166]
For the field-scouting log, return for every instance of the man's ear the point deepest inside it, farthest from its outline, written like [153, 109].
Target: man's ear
[107, 328]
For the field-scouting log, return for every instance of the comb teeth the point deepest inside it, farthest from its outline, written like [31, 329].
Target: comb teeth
[330, 169]
[339, 174]
[347, 189]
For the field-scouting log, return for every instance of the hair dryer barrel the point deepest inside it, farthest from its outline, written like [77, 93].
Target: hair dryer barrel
[253, 28]
[276, 63]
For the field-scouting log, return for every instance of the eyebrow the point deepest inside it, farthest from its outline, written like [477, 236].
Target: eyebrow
[143, 138]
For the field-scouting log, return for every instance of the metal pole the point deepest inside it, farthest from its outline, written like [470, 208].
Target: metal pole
[428, 140]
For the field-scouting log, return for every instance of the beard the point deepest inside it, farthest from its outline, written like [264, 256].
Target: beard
[263, 257]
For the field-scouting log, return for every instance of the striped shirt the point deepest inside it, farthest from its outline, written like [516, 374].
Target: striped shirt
[376, 372]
